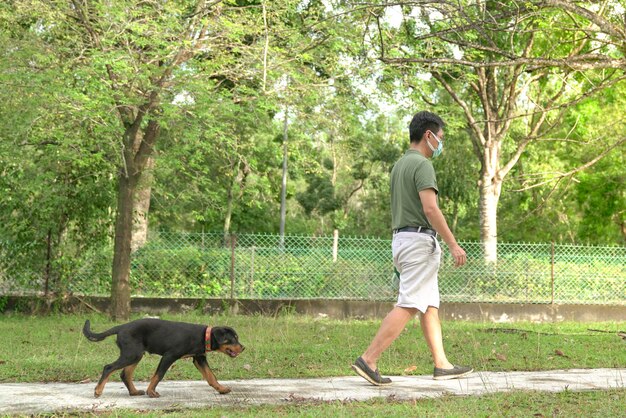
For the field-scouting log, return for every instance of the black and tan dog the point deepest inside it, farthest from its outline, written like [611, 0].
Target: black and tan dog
[170, 340]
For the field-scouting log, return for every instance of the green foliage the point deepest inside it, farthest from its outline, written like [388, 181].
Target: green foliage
[55, 170]
[320, 195]
[601, 196]
[218, 159]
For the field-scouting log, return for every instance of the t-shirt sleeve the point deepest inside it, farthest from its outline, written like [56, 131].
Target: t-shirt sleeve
[425, 177]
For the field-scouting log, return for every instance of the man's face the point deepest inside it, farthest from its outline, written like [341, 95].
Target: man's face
[436, 146]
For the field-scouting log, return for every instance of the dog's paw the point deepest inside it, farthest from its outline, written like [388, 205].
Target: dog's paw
[138, 393]
[224, 390]
[153, 394]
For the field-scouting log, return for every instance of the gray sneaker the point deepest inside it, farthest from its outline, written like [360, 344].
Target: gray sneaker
[454, 373]
[372, 376]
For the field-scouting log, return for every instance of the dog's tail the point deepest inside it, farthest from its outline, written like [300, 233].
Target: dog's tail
[92, 336]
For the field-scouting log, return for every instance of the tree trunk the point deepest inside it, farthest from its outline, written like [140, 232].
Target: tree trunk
[283, 190]
[229, 210]
[137, 151]
[48, 267]
[120, 287]
[455, 217]
[488, 209]
[142, 207]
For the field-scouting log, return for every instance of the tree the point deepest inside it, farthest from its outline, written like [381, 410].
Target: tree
[132, 58]
[504, 64]
[248, 115]
[55, 178]
[138, 48]
[216, 165]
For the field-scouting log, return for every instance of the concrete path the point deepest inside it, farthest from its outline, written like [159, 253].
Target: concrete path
[29, 398]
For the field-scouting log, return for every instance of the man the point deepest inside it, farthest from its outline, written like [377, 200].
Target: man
[416, 222]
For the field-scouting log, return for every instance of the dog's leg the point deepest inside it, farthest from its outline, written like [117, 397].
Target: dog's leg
[127, 378]
[203, 366]
[164, 364]
[120, 363]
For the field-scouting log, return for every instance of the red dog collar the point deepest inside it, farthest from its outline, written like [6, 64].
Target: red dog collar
[207, 339]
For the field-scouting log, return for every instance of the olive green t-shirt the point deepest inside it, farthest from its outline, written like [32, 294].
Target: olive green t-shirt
[410, 175]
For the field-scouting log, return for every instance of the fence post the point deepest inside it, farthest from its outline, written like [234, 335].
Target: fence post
[552, 269]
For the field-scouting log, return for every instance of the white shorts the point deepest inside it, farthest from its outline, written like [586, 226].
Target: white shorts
[416, 256]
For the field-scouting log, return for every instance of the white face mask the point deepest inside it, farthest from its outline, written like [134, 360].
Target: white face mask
[436, 151]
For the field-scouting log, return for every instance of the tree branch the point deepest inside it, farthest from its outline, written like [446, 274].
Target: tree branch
[478, 138]
[605, 25]
[581, 62]
[577, 169]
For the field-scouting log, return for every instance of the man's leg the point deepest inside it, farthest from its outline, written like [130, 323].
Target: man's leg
[431, 327]
[390, 328]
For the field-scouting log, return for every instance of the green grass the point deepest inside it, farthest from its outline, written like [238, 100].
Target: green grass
[52, 348]
[516, 404]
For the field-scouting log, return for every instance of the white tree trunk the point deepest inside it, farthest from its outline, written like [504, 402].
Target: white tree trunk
[488, 208]
[283, 190]
[335, 244]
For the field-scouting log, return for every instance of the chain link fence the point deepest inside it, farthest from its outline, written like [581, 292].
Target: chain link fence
[258, 266]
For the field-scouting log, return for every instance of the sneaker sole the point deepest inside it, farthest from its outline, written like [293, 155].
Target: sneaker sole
[366, 377]
[452, 376]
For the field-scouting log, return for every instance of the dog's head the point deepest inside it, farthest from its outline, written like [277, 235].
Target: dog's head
[225, 340]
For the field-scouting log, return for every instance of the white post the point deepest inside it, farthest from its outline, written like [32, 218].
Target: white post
[335, 244]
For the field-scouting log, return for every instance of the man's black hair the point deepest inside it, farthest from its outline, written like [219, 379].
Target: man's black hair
[424, 121]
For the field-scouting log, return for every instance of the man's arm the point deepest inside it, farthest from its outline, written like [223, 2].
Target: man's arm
[438, 221]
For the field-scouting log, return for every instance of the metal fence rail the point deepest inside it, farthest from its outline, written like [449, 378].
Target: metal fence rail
[301, 267]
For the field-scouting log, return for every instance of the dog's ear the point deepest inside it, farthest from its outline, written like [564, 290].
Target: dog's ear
[224, 335]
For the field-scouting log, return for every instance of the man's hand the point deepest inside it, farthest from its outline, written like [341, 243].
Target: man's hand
[459, 255]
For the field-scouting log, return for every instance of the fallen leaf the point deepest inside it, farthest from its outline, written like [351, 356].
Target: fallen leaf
[501, 357]
[88, 380]
[410, 369]
[559, 353]
[247, 367]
